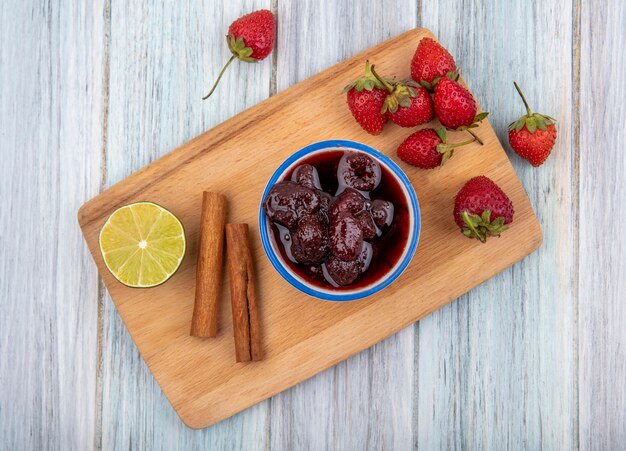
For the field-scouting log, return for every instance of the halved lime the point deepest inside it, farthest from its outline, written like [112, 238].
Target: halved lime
[142, 244]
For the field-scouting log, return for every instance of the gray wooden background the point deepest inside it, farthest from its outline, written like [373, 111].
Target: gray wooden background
[535, 358]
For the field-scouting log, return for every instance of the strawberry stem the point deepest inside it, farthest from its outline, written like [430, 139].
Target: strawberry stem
[219, 77]
[463, 143]
[519, 91]
[475, 137]
[387, 86]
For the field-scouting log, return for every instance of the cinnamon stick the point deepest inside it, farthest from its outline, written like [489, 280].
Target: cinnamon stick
[209, 265]
[246, 321]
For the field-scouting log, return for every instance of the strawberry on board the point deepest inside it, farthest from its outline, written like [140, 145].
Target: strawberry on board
[454, 105]
[407, 104]
[427, 148]
[481, 209]
[250, 38]
[366, 97]
[532, 136]
[431, 62]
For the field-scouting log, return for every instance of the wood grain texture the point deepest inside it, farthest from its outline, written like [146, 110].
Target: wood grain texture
[164, 57]
[366, 401]
[200, 380]
[51, 63]
[498, 366]
[602, 281]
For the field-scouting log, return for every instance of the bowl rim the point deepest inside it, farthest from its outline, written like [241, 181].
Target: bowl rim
[368, 290]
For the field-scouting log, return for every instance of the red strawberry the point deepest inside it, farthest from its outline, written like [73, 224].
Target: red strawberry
[366, 97]
[413, 109]
[454, 105]
[427, 148]
[250, 38]
[431, 62]
[532, 136]
[256, 31]
[481, 209]
[407, 104]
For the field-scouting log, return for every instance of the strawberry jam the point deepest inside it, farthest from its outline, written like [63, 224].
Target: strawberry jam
[340, 219]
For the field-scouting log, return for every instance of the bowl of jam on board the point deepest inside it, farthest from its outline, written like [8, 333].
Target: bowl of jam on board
[339, 220]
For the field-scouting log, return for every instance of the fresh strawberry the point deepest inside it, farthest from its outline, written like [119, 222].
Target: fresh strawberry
[250, 38]
[532, 136]
[454, 105]
[481, 209]
[427, 148]
[407, 104]
[413, 109]
[366, 97]
[431, 62]
[255, 31]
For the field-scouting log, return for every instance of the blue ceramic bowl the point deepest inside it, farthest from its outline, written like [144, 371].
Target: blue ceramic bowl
[271, 247]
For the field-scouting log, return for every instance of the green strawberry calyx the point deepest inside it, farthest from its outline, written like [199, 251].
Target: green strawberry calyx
[400, 93]
[478, 118]
[532, 121]
[480, 226]
[447, 149]
[367, 81]
[452, 75]
[400, 96]
[239, 50]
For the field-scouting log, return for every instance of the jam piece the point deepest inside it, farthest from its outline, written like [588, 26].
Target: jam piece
[306, 175]
[367, 224]
[382, 212]
[325, 201]
[341, 273]
[287, 202]
[346, 237]
[359, 171]
[309, 242]
[349, 201]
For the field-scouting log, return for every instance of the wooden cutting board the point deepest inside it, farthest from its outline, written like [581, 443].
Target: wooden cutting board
[302, 335]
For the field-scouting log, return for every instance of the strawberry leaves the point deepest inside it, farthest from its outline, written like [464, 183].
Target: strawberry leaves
[365, 82]
[532, 121]
[452, 75]
[400, 95]
[447, 149]
[481, 226]
[478, 118]
[238, 48]
[444, 149]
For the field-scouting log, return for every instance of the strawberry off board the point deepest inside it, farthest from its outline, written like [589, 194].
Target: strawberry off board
[301, 335]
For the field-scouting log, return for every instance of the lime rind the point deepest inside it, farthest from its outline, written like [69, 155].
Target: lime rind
[139, 251]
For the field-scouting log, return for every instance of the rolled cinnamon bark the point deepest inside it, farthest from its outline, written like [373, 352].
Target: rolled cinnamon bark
[246, 321]
[209, 265]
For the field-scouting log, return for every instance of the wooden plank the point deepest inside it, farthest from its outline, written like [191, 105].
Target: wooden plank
[202, 381]
[602, 285]
[164, 58]
[51, 68]
[497, 368]
[353, 405]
